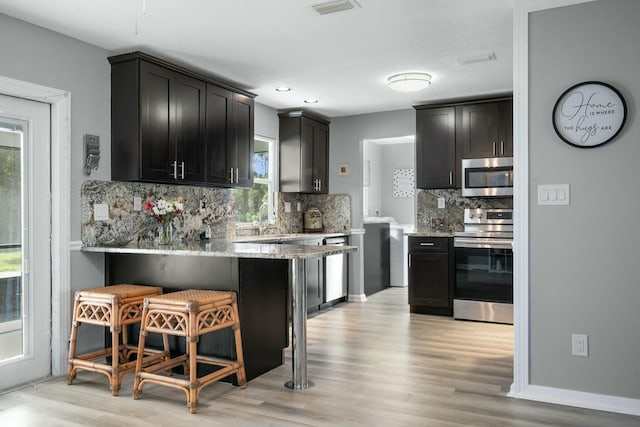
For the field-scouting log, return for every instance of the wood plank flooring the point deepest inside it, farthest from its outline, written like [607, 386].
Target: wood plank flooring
[372, 363]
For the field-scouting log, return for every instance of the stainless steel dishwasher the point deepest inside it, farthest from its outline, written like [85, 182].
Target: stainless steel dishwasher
[335, 272]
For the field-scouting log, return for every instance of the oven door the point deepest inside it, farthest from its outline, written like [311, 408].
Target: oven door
[484, 270]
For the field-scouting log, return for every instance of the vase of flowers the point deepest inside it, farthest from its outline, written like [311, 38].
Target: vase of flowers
[164, 211]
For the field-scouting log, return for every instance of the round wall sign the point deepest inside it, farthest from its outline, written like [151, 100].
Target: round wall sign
[589, 114]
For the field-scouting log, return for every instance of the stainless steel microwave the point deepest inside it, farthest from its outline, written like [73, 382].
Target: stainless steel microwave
[490, 177]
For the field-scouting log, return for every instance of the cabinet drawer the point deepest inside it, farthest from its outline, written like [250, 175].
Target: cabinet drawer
[428, 244]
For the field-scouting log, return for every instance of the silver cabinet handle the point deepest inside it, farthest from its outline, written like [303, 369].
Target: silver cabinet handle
[409, 260]
[450, 178]
[237, 176]
[427, 244]
[182, 170]
[174, 175]
[231, 172]
[502, 148]
[494, 149]
[319, 184]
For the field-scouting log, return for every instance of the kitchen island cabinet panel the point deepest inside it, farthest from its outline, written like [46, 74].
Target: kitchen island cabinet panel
[262, 288]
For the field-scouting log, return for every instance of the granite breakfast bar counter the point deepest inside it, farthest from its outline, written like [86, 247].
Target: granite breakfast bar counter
[263, 275]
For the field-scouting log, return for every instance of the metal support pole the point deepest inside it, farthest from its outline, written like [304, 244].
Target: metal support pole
[298, 292]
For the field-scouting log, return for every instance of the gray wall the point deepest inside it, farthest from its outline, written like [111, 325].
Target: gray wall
[583, 277]
[372, 204]
[397, 156]
[46, 58]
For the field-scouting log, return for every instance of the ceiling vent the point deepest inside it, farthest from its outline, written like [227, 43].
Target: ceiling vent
[334, 6]
[467, 60]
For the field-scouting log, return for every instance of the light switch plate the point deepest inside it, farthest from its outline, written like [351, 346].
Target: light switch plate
[137, 204]
[441, 202]
[554, 194]
[101, 212]
[287, 207]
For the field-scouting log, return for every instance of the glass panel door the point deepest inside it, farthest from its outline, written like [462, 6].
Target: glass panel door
[25, 250]
[11, 338]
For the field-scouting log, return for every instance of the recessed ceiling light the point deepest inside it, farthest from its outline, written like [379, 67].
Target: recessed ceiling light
[409, 82]
[311, 101]
[283, 89]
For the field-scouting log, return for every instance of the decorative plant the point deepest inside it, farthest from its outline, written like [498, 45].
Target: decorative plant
[164, 211]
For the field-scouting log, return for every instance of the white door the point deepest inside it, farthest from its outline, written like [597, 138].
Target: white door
[25, 241]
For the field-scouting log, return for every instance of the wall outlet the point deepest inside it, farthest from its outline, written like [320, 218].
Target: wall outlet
[287, 207]
[579, 345]
[299, 207]
[441, 202]
[100, 212]
[137, 203]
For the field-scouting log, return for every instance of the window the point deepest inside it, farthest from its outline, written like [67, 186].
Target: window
[250, 201]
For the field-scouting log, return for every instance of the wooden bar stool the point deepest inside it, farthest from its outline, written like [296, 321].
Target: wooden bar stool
[189, 314]
[114, 306]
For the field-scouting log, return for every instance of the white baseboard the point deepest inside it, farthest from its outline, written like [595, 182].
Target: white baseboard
[580, 399]
[356, 298]
[75, 245]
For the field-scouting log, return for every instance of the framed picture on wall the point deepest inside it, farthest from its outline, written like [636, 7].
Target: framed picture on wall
[404, 183]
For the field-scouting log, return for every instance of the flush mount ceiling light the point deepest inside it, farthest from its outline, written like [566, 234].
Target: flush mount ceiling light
[334, 6]
[283, 89]
[311, 101]
[409, 82]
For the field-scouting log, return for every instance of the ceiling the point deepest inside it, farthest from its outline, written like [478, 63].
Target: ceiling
[343, 59]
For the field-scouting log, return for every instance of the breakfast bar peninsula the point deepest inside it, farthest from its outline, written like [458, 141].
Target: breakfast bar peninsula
[270, 280]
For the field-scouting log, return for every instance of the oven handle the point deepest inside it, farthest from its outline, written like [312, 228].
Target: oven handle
[460, 242]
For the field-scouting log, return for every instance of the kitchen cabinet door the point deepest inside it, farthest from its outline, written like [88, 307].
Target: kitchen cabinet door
[190, 100]
[436, 148]
[218, 135]
[431, 275]
[241, 149]
[304, 153]
[485, 129]
[157, 127]
[505, 131]
[229, 140]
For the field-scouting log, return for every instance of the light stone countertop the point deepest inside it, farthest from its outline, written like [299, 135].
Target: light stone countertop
[226, 249]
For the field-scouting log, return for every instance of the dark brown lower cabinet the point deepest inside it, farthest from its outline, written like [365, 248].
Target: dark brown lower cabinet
[431, 275]
[262, 289]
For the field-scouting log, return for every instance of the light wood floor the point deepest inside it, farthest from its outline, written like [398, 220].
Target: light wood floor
[373, 364]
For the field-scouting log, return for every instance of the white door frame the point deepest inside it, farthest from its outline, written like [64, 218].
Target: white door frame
[60, 101]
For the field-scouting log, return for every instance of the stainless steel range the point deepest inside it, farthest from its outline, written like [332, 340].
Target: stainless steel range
[484, 266]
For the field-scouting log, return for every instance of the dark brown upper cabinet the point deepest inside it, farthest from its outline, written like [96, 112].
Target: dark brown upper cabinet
[436, 148]
[485, 129]
[166, 126]
[448, 133]
[304, 153]
[229, 141]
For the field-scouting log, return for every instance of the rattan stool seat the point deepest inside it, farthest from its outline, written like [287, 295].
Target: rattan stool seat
[190, 313]
[114, 306]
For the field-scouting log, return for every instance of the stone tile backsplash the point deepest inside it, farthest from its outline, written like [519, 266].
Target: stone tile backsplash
[202, 207]
[450, 219]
